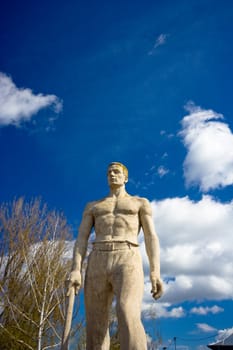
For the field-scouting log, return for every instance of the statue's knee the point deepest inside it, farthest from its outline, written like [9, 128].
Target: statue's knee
[124, 309]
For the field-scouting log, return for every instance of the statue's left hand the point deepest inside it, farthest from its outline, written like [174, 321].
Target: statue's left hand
[157, 287]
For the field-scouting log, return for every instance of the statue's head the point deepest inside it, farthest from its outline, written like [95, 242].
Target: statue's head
[122, 167]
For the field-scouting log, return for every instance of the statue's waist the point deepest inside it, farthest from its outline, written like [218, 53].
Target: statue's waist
[113, 245]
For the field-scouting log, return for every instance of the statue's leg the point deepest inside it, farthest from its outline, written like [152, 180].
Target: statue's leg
[128, 286]
[98, 299]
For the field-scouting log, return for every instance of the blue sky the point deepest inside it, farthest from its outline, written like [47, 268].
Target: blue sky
[147, 83]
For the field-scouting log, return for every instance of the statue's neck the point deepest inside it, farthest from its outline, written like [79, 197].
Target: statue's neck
[117, 191]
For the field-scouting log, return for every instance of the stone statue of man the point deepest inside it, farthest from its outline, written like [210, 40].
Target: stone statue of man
[114, 265]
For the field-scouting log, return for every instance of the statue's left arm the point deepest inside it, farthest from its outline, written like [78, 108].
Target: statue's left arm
[152, 247]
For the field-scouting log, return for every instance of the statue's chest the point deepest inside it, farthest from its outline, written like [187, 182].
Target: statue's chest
[115, 207]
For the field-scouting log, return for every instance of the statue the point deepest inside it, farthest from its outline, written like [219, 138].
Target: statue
[114, 265]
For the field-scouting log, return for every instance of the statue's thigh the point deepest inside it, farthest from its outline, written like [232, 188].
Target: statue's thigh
[128, 277]
[97, 288]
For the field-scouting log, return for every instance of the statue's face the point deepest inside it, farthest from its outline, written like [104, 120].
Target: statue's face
[116, 175]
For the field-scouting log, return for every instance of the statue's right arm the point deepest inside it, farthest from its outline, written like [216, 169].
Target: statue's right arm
[80, 247]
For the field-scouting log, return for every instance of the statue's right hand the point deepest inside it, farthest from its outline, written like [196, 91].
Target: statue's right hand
[74, 281]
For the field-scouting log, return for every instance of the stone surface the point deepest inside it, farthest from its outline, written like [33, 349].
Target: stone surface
[114, 265]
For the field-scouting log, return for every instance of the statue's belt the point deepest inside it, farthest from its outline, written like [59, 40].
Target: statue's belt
[110, 246]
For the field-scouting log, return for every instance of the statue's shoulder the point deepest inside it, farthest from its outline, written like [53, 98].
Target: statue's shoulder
[141, 200]
[91, 205]
[142, 203]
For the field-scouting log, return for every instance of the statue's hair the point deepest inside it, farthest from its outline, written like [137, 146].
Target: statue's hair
[125, 170]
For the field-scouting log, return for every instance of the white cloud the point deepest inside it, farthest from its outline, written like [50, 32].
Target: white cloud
[161, 310]
[206, 310]
[20, 104]
[224, 333]
[196, 251]
[162, 171]
[167, 135]
[204, 327]
[160, 40]
[209, 143]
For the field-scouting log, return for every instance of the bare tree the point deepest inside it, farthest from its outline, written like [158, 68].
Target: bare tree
[155, 342]
[32, 275]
